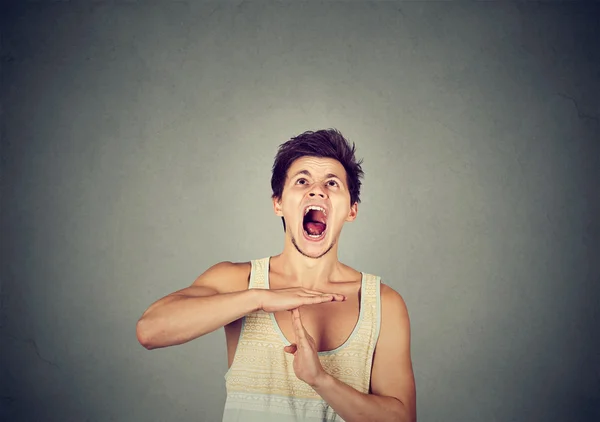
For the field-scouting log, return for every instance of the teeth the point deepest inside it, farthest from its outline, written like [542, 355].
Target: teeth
[316, 208]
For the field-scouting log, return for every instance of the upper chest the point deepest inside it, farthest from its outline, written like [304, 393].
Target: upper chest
[329, 324]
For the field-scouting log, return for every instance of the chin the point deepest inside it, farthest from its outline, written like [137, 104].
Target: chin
[311, 248]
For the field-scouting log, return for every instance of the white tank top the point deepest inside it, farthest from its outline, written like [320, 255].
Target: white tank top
[261, 383]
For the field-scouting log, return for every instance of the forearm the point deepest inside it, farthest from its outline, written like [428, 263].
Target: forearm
[354, 406]
[178, 319]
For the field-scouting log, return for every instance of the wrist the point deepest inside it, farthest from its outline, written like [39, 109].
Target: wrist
[256, 296]
[322, 382]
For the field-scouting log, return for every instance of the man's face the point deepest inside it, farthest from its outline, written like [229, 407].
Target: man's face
[315, 203]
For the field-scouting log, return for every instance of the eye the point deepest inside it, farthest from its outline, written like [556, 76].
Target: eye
[301, 181]
[332, 183]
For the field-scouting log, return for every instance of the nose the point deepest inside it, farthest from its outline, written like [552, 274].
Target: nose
[317, 191]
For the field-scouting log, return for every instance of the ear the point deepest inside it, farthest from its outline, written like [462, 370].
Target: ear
[353, 212]
[277, 207]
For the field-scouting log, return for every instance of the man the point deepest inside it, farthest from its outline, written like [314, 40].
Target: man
[348, 353]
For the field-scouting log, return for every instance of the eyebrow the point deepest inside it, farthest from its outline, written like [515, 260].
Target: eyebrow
[307, 173]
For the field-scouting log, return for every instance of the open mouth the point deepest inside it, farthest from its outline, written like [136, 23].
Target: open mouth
[314, 222]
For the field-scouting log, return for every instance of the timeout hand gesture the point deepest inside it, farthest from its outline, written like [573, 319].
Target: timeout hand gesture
[307, 365]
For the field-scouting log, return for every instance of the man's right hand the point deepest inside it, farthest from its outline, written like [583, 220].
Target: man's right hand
[274, 300]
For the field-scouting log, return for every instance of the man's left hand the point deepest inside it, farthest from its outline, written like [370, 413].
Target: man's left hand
[307, 366]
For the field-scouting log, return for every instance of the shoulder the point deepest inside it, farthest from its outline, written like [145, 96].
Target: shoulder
[226, 276]
[230, 267]
[393, 306]
[392, 296]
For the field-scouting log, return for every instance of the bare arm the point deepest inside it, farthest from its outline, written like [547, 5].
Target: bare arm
[218, 297]
[393, 395]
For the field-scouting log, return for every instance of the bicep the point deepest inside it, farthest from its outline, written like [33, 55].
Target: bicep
[220, 278]
[392, 372]
[224, 277]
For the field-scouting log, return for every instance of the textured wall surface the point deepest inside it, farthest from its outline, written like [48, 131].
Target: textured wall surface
[137, 141]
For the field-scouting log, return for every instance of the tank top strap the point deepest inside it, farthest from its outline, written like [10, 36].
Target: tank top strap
[371, 302]
[258, 273]
[371, 290]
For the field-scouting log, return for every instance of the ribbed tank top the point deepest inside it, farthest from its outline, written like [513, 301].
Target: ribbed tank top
[261, 383]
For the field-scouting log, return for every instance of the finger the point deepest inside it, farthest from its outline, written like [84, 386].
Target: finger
[320, 299]
[333, 296]
[336, 296]
[312, 292]
[325, 298]
[298, 327]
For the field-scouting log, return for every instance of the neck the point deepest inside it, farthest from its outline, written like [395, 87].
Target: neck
[310, 273]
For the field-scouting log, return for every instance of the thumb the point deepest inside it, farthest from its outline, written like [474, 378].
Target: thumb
[291, 348]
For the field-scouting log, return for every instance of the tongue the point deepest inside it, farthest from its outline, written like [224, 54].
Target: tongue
[314, 228]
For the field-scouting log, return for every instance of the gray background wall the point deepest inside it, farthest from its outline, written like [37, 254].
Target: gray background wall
[137, 141]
